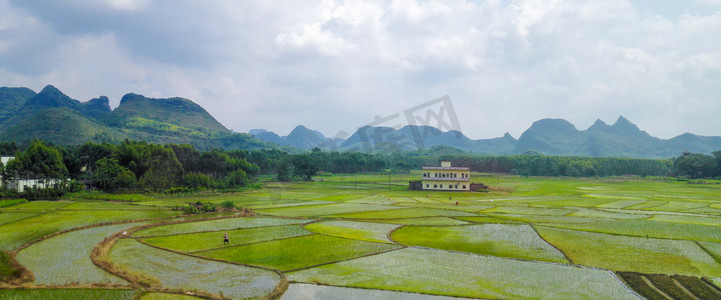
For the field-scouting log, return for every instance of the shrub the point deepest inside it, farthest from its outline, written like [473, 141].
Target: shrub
[208, 207]
[228, 204]
[191, 210]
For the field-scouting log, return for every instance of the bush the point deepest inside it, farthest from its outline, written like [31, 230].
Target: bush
[191, 210]
[199, 207]
[178, 190]
[208, 207]
[75, 186]
[228, 204]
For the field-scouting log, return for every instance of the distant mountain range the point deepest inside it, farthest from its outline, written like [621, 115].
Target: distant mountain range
[53, 116]
[546, 136]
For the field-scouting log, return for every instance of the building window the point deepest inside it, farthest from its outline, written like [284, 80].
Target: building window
[426, 185]
[435, 186]
[441, 186]
[464, 187]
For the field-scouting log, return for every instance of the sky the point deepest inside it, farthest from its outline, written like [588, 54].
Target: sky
[335, 66]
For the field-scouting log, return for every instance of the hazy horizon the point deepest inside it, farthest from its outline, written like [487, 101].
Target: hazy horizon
[335, 66]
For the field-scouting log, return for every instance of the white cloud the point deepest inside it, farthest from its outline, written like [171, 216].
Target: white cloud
[333, 65]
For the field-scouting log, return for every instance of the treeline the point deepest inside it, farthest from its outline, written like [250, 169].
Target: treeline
[171, 167]
[571, 166]
[130, 164]
[302, 166]
[696, 165]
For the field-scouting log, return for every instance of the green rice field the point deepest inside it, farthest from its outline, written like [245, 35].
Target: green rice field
[357, 237]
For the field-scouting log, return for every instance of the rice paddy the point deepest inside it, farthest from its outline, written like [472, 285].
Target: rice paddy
[502, 240]
[350, 236]
[178, 271]
[65, 259]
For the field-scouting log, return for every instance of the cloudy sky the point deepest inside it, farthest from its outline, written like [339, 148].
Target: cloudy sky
[337, 65]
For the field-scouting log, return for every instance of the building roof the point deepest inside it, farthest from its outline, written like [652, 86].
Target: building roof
[444, 179]
[447, 168]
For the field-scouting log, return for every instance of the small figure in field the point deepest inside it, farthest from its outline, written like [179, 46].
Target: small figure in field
[456, 202]
[225, 239]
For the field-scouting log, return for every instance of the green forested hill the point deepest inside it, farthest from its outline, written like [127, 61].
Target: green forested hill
[11, 100]
[53, 116]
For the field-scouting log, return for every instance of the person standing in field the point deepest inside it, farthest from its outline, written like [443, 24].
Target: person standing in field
[225, 239]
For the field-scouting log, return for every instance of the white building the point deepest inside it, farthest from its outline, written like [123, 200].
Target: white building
[446, 178]
[21, 184]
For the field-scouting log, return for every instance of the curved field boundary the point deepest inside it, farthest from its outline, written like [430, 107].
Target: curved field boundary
[27, 276]
[207, 231]
[233, 246]
[379, 289]
[100, 257]
[570, 261]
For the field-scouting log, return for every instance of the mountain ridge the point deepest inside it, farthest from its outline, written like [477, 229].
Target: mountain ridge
[54, 116]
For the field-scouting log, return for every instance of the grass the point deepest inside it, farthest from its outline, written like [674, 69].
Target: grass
[105, 205]
[437, 221]
[177, 271]
[646, 228]
[208, 240]
[698, 220]
[626, 253]
[487, 219]
[216, 225]
[9, 217]
[6, 268]
[65, 259]
[166, 296]
[600, 214]
[321, 210]
[302, 291]
[542, 219]
[502, 240]
[11, 202]
[38, 206]
[363, 231]
[599, 222]
[405, 213]
[18, 233]
[466, 208]
[67, 294]
[465, 275]
[530, 211]
[94, 195]
[306, 251]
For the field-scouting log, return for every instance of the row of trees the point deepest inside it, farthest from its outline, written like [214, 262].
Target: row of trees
[302, 166]
[157, 167]
[132, 165]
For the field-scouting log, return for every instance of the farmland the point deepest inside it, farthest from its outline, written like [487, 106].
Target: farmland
[363, 236]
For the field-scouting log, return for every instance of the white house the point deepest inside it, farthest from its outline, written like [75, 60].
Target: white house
[21, 184]
[446, 178]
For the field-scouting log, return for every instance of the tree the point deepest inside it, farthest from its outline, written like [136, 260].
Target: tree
[89, 153]
[165, 169]
[305, 165]
[695, 165]
[237, 179]
[38, 162]
[110, 176]
[285, 171]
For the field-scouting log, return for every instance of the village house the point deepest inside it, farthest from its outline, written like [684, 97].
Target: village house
[446, 178]
[20, 185]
